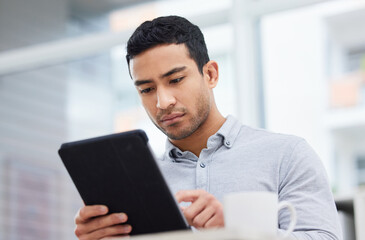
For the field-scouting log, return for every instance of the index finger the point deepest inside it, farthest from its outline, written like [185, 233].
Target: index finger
[87, 212]
[188, 195]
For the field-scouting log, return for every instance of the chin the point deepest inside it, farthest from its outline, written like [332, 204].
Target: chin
[179, 135]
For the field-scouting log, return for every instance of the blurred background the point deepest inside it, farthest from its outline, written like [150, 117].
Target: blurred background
[289, 66]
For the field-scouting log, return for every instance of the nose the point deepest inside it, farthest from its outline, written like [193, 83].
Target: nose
[165, 99]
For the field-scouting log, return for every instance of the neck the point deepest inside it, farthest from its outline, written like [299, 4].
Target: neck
[197, 141]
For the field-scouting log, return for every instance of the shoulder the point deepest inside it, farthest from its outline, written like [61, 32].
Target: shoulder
[290, 153]
[270, 141]
[245, 137]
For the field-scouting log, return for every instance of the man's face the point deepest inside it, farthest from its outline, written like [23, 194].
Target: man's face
[173, 91]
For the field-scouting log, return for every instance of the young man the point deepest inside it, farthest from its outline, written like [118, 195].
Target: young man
[207, 155]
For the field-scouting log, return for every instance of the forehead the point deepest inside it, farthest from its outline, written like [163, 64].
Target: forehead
[160, 59]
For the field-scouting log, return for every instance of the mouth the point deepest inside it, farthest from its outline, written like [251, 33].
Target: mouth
[171, 118]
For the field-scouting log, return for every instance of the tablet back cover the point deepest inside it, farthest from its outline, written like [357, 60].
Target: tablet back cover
[119, 171]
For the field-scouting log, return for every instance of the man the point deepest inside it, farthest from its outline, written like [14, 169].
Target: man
[207, 155]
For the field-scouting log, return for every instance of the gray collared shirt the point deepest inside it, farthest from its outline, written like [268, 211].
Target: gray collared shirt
[239, 158]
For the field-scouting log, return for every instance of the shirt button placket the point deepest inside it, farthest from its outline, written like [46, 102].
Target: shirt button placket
[202, 173]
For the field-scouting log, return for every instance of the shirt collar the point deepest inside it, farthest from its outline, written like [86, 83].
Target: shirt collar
[175, 153]
[228, 133]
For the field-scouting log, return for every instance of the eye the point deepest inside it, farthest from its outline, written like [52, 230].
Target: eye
[177, 80]
[146, 90]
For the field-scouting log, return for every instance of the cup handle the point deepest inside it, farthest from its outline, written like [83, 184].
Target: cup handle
[293, 216]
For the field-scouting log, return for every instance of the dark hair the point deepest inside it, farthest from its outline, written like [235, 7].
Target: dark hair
[166, 30]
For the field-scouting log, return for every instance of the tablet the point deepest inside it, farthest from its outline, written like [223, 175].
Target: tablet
[119, 171]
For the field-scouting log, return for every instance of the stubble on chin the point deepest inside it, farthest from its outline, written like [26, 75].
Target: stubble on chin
[178, 133]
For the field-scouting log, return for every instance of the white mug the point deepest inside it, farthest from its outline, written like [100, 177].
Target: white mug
[254, 214]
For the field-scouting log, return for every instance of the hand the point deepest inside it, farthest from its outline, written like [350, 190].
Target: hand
[92, 222]
[205, 210]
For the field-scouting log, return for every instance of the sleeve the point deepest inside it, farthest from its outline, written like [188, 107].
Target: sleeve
[303, 182]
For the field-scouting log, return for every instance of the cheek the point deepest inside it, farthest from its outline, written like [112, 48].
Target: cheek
[149, 105]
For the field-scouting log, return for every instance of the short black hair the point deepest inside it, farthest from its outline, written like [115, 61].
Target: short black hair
[167, 30]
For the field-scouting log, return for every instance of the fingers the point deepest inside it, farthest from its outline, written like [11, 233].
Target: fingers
[201, 220]
[205, 210]
[103, 222]
[87, 212]
[93, 223]
[200, 211]
[215, 221]
[188, 195]
[107, 232]
[194, 210]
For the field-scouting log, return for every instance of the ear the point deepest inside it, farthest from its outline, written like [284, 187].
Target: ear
[211, 73]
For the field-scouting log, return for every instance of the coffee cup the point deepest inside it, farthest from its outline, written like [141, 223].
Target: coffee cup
[255, 214]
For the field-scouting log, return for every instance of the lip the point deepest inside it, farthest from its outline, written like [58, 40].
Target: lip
[171, 118]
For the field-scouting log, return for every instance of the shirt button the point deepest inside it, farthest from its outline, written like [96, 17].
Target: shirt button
[228, 143]
[202, 165]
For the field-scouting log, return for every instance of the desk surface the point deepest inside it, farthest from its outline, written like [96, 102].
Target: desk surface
[215, 234]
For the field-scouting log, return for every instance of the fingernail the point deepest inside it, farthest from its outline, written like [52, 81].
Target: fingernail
[127, 228]
[123, 217]
[103, 209]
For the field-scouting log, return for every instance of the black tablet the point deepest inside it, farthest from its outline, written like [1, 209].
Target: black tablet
[119, 171]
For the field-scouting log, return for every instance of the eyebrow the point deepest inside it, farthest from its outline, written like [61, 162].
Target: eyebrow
[172, 71]
[141, 82]
[169, 73]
